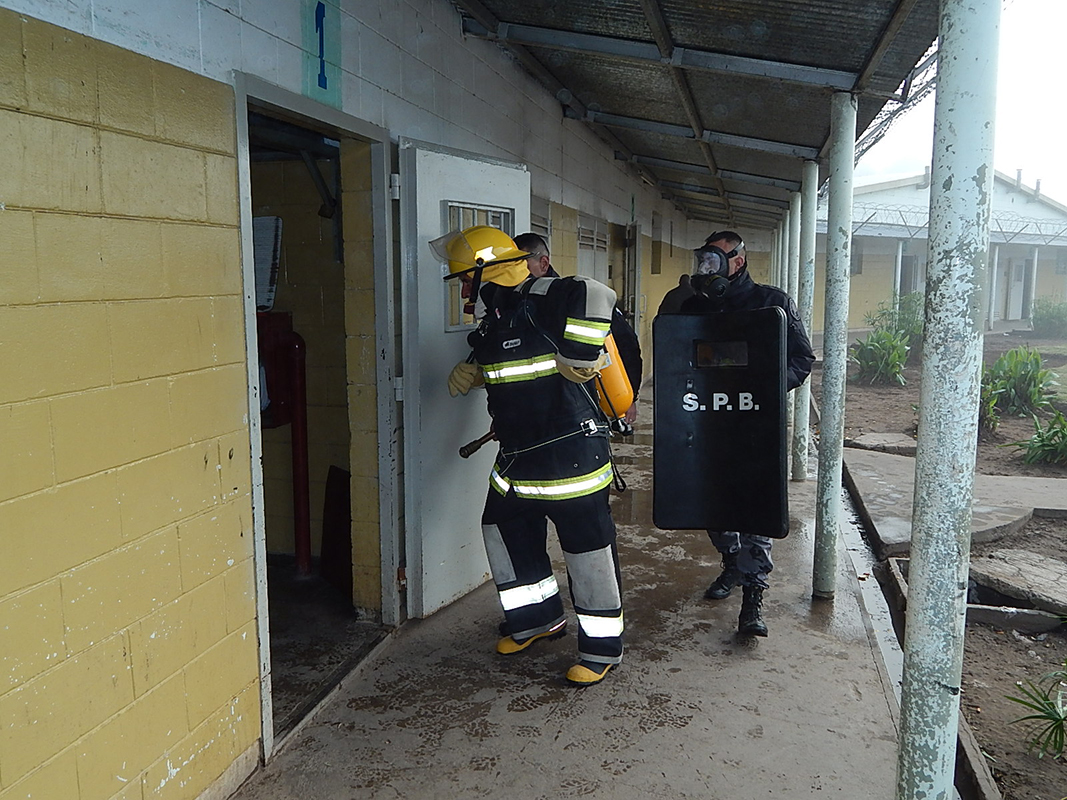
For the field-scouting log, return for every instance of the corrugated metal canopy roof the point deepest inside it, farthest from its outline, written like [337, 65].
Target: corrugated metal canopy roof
[716, 103]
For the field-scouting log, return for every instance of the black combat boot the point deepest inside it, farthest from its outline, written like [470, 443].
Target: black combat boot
[722, 586]
[750, 620]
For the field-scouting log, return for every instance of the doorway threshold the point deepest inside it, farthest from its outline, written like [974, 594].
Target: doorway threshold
[316, 639]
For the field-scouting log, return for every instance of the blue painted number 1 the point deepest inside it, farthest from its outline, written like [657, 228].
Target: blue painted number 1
[320, 29]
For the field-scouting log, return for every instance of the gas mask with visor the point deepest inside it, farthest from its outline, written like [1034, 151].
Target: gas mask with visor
[712, 271]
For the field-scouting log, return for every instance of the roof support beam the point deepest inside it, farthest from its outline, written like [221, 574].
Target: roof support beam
[892, 28]
[744, 177]
[690, 187]
[734, 196]
[740, 218]
[711, 137]
[647, 53]
[725, 174]
[760, 222]
[692, 204]
[763, 145]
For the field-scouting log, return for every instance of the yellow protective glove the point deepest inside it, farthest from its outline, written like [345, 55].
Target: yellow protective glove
[581, 374]
[463, 377]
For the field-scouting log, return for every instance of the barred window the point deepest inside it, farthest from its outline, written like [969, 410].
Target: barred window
[462, 216]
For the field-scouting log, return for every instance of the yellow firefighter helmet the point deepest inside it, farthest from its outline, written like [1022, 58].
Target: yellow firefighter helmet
[483, 249]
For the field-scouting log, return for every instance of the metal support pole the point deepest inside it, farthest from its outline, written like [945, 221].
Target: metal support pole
[794, 244]
[960, 202]
[774, 254]
[835, 342]
[791, 286]
[805, 299]
[774, 257]
[991, 282]
[896, 275]
[1033, 285]
[783, 252]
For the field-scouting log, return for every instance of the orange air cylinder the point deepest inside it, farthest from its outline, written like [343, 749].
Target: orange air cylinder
[613, 385]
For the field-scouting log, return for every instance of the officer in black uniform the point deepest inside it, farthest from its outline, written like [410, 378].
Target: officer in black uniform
[722, 283]
[539, 343]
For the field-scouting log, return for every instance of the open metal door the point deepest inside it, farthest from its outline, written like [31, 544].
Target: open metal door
[443, 189]
[632, 301]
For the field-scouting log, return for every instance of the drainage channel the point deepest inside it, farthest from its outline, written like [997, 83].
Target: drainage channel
[883, 624]
[879, 616]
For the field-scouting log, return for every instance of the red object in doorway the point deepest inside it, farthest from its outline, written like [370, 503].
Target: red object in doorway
[283, 365]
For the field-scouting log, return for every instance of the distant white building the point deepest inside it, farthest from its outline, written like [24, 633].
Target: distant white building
[1028, 256]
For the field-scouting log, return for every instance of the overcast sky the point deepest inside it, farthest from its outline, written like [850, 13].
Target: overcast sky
[1031, 132]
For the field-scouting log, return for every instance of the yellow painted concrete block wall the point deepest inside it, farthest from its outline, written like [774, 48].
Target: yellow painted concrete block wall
[563, 242]
[759, 266]
[126, 603]
[362, 373]
[674, 261]
[872, 286]
[311, 287]
[1050, 283]
[866, 290]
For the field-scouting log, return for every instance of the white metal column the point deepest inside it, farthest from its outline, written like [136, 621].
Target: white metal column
[794, 281]
[835, 342]
[1033, 285]
[805, 298]
[960, 202]
[794, 244]
[991, 282]
[896, 274]
[774, 255]
[783, 253]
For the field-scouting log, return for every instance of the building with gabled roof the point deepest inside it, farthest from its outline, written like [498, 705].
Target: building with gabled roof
[1028, 256]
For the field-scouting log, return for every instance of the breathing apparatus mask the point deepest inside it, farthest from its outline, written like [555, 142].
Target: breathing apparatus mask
[712, 271]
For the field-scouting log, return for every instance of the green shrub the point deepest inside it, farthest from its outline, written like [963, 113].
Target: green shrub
[988, 416]
[880, 357]
[1050, 318]
[1024, 387]
[903, 315]
[1048, 722]
[1048, 444]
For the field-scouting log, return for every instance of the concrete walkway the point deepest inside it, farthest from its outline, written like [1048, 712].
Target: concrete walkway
[885, 483]
[693, 712]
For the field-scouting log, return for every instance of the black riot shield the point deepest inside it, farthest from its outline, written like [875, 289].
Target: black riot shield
[719, 450]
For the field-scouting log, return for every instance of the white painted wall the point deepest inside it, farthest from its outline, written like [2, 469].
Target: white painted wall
[405, 66]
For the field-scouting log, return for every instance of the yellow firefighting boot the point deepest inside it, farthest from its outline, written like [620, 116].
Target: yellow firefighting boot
[586, 673]
[510, 645]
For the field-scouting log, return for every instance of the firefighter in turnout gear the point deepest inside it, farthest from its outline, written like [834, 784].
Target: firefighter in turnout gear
[538, 346]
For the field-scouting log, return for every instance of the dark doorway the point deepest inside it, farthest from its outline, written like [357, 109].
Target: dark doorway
[316, 634]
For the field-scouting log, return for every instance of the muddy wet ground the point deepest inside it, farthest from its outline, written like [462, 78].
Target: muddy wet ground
[693, 711]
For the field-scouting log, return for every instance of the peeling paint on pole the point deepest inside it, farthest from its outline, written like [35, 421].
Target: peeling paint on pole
[805, 298]
[835, 342]
[960, 204]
